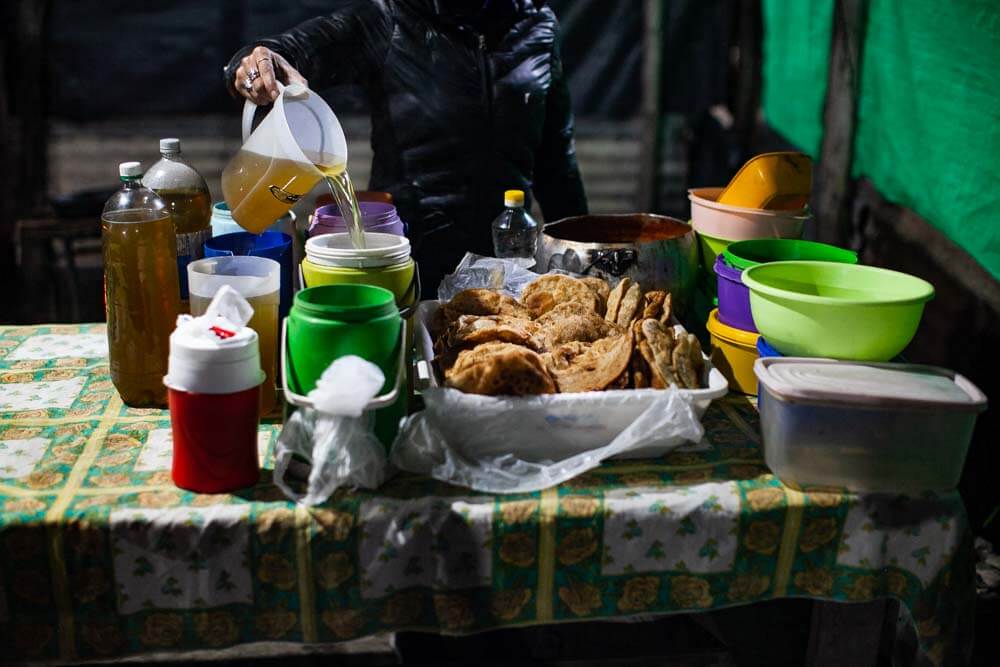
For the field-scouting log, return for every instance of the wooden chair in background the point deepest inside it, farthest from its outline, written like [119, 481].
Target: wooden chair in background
[61, 270]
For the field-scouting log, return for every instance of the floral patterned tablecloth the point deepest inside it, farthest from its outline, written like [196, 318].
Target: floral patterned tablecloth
[101, 556]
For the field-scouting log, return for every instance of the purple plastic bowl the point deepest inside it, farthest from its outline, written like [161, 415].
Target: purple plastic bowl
[375, 217]
[734, 297]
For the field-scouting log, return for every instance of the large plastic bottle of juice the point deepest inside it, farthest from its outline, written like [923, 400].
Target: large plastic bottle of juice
[190, 203]
[140, 288]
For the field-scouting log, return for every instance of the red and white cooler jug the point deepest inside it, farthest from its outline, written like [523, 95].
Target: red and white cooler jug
[213, 389]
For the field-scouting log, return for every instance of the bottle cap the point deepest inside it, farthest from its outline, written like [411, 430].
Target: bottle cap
[171, 146]
[513, 198]
[130, 169]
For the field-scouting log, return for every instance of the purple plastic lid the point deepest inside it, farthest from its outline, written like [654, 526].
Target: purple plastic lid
[371, 211]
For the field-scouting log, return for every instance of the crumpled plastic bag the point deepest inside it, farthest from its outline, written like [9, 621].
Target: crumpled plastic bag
[228, 312]
[331, 445]
[430, 443]
[478, 271]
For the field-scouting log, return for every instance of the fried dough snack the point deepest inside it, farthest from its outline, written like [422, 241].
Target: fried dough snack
[579, 366]
[548, 291]
[471, 330]
[477, 301]
[500, 369]
[567, 335]
[585, 327]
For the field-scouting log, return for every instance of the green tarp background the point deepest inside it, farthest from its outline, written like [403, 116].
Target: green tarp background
[928, 133]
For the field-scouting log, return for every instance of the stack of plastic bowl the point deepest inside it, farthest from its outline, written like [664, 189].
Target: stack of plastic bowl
[378, 217]
[718, 225]
[731, 326]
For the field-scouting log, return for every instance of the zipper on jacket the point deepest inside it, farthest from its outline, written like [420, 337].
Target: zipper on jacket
[486, 79]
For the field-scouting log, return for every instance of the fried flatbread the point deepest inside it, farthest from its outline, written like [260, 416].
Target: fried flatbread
[652, 304]
[656, 346]
[666, 309]
[630, 306]
[496, 369]
[546, 292]
[472, 330]
[687, 360]
[476, 301]
[601, 288]
[585, 327]
[615, 299]
[579, 366]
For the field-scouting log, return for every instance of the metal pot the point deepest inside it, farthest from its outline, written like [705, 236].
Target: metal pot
[658, 252]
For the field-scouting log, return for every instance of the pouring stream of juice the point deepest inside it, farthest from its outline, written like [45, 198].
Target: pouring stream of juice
[343, 193]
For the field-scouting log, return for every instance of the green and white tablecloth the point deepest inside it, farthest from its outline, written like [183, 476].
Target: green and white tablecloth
[101, 556]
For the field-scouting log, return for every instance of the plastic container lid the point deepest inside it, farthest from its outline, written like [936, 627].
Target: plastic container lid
[205, 366]
[730, 334]
[171, 146]
[337, 250]
[868, 385]
[130, 169]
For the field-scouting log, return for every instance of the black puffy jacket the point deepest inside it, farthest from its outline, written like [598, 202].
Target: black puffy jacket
[462, 109]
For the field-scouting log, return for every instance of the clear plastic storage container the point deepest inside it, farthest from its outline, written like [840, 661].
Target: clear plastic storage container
[867, 427]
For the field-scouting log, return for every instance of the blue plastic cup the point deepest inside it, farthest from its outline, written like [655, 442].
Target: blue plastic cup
[272, 245]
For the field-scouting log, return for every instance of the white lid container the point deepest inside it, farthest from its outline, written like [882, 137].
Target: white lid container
[867, 385]
[337, 250]
[865, 427]
[215, 353]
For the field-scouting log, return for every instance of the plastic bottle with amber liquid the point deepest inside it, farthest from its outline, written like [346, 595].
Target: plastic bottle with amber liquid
[140, 288]
[190, 202]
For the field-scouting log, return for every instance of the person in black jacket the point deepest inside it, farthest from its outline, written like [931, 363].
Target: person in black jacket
[467, 99]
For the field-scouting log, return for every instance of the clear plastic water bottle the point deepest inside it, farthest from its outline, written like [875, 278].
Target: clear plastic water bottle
[515, 232]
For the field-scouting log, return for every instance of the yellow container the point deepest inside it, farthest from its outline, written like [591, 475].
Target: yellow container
[771, 181]
[397, 278]
[733, 352]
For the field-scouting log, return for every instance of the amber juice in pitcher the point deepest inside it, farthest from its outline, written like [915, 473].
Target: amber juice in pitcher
[260, 189]
[141, 294]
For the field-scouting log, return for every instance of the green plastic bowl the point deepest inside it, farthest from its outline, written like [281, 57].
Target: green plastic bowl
[841, 311]
[744, 254]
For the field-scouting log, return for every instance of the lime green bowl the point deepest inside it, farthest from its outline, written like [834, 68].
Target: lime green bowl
[841, 311]
[711, 247]
[744, 254]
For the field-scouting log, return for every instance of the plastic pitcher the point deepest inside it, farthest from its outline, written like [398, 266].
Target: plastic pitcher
[299, 142]
[273, 245]
[258, 280]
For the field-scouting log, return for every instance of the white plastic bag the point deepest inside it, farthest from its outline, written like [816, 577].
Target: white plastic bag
[489, 272]
[334, 438]
[433, 443]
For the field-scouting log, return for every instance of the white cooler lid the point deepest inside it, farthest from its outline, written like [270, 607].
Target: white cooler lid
[867, 384]
[215, 353]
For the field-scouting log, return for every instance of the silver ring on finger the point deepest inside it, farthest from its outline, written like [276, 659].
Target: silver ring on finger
[248, 85]
[253, 75]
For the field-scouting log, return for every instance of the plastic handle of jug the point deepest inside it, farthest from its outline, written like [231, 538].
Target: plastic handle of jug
[249, 108]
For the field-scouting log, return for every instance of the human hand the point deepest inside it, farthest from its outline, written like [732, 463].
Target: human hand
[259, 72]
